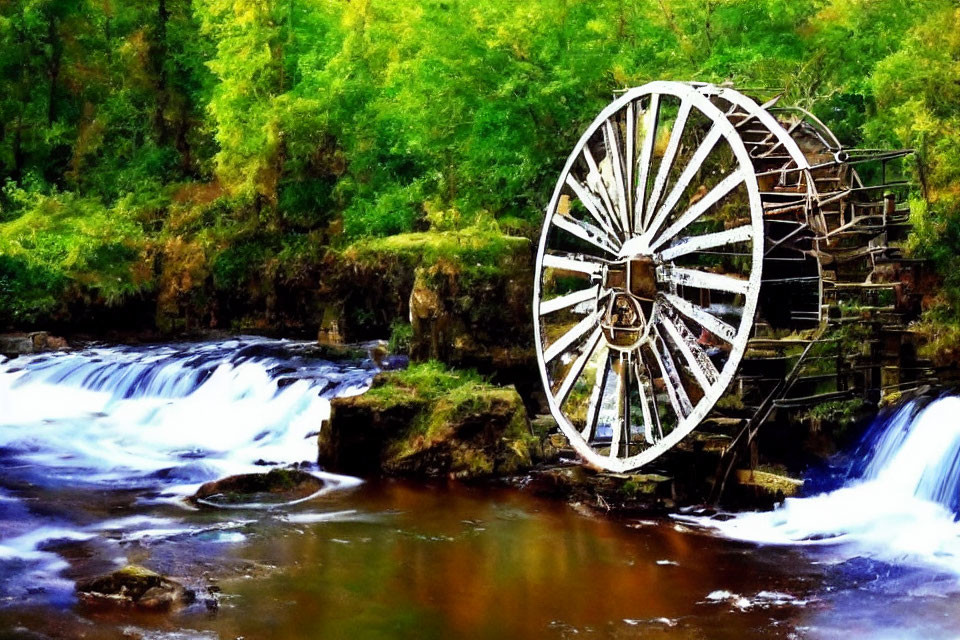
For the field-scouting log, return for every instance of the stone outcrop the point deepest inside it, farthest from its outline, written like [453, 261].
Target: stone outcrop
[472, 317]
[428, 428]
[17, 344]
[466, 294]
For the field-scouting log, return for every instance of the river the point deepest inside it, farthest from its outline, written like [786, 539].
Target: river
[98, 448]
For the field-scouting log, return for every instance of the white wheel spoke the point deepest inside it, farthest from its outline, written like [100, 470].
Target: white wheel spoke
[596, 396]
[646, 395]
[571, 263]
[593, 206]
[666, 163]
[698, 208]
[698, 361]
[569, 300]
[611, 140]
[577, 367]
[587, 233]
[683, 181]
[619, 424]
[692, 244]
[596, 183]
[630, 159]
[646, 155]
[702, 317]
[671, 379]
[566, 340]
[702, 279]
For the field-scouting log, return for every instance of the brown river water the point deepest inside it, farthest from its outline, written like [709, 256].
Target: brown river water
[398, 560]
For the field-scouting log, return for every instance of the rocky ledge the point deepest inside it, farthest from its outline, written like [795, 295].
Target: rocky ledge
[428, 421]
[18, 344]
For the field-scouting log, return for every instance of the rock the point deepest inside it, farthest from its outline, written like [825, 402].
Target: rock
[487, 434]
[16, 344]
[428, 422]
[275, 486]
[329, 332]
[13, 345]
[768, 486]
[605, 492]
[473, 317]
[361, 428]
[135, 586]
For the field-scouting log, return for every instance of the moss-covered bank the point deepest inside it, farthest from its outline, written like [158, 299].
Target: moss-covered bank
[429, 421]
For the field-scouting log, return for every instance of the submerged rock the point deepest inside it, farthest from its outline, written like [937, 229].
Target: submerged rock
[275, 486]
[621, 493]
[135, 586]
[427, 422]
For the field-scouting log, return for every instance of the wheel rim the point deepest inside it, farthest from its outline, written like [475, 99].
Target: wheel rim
[648, 272]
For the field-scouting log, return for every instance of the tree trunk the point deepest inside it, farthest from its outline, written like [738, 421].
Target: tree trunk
[159, 56]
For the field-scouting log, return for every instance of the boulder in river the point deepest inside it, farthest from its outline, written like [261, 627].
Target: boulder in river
[428, 421]
[273, 487]
[135, 586]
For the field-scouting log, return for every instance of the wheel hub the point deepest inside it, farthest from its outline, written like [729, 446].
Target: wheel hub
[633, 285]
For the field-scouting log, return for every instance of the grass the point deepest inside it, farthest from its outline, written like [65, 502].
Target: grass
[469, 247]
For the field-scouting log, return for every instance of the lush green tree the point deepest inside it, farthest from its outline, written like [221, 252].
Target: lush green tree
[232, 141]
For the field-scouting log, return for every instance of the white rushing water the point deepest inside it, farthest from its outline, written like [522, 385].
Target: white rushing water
[170, 416]
[151, 423]
[899, 507]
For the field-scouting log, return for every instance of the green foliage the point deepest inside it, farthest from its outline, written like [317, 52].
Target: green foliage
[401, 334]
[61, 242]
[232, 141]
[430, 380]
[473, 247]
[842, 412]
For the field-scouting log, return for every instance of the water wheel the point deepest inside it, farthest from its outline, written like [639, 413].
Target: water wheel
[688, 218]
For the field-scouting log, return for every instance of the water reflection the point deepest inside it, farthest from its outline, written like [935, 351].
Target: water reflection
[440, 563]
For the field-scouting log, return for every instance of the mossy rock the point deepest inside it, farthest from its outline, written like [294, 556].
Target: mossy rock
[619, 492]
[134, 586]
[275, 486]
[373, 279]
[471, 315]
[429, 421]
[480, 434]
[774, 486]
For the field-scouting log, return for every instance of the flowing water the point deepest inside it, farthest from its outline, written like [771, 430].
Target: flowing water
[99, 447]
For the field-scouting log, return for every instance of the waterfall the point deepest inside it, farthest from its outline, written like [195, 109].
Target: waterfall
[899, 503]
[166, 417]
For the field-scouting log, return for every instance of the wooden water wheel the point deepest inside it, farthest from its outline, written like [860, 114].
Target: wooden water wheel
[689, 221]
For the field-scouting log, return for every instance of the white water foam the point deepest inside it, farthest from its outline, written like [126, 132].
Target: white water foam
[184, 413]
[901, 508]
